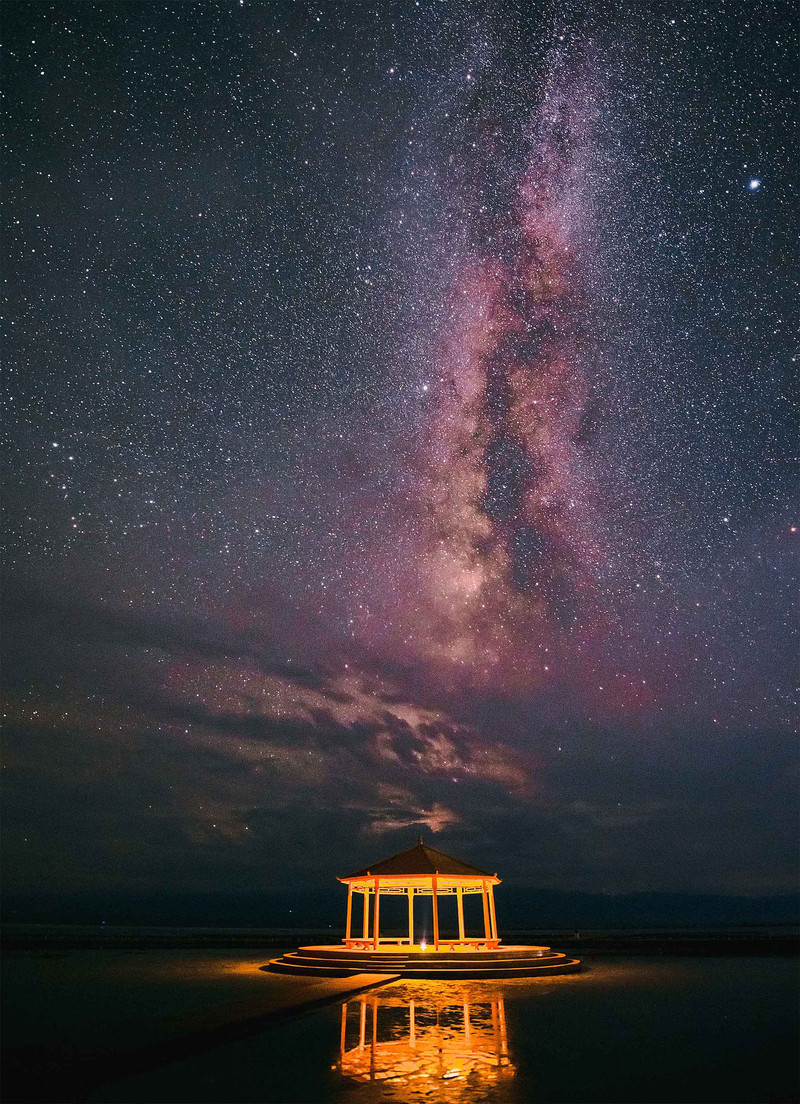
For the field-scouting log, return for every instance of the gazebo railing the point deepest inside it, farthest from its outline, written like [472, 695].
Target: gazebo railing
[362, 943]
[475, 942]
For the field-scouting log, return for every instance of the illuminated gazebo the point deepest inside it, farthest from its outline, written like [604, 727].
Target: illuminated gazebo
[421, 871]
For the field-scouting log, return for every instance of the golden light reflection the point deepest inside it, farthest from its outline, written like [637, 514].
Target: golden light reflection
[434, 1042]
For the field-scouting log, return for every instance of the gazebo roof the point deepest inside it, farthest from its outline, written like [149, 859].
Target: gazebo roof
[419, 860]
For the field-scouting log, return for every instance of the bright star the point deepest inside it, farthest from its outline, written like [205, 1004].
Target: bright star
[754, 185]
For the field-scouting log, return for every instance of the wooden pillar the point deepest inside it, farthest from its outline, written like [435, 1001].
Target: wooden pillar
[460, 902]
[376, 919]
[492, 913]
[349, 911]
[365, 933]
[411, 916]
[412, 1027]
[435, 914]
[485, 895]
[344, 1027]
[362, 1024]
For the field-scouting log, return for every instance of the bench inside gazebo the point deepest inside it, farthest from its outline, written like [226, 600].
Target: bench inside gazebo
[421, 871]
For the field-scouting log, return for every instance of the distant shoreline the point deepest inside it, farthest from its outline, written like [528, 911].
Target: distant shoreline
[752, 940]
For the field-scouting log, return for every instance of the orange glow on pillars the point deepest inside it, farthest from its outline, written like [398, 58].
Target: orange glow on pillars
[413, 886]
[492, 913]
[377, 914]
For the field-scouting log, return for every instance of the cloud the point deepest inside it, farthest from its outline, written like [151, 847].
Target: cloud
[396, 810]
[144, 753]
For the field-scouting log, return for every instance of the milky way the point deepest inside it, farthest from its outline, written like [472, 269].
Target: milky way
[512, 544]
[400, 439]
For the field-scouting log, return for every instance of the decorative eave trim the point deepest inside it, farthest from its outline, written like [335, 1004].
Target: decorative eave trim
[471, 878]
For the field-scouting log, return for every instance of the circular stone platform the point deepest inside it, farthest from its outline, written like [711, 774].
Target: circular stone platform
[414, 962]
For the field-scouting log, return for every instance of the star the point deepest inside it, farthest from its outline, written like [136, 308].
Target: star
[411, 399]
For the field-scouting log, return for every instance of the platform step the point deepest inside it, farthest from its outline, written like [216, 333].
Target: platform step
[284, 966]
[441, 959]
[501, 954]
[478, 973]
[433, 964]
[309, 962]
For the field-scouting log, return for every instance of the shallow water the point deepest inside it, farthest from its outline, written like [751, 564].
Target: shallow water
[645, 1030]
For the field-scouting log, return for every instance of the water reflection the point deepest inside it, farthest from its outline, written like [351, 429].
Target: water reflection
[421, 1040]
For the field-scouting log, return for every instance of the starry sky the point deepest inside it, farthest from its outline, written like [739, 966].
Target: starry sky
[400, 439]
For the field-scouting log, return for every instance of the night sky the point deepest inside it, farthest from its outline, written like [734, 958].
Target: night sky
[399, 440]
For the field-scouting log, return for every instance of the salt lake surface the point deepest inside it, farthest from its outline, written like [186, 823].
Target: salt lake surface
[628, 1029]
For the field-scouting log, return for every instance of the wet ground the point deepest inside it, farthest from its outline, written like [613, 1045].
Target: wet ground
[629, 1029]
